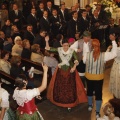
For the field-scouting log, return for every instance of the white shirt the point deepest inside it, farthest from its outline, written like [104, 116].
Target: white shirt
[75, 46]
[108, 55]
[85, 47]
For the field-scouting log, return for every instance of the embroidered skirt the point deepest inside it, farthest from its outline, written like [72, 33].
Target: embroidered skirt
[66, 89]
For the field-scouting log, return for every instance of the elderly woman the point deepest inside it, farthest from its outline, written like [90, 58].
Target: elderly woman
[17, 48]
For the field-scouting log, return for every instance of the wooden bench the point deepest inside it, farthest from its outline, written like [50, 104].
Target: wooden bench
[8, 78]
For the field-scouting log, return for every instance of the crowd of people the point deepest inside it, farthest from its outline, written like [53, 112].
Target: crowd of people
[67, 41]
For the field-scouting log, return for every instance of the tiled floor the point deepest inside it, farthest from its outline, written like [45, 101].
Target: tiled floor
[80, 112]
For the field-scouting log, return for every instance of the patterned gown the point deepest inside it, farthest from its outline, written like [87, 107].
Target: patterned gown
[65, 88]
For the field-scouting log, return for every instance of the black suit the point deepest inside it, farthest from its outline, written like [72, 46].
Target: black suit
[65, 17]
[45, 24]
[64, 21]
[96, 32]
[84, 25]
[40, 40]
[55, 25]
[102, 16]
[39, 14]
[33, 21]
[73, 28]
[49, 12]
[29, 36]
[13, 16]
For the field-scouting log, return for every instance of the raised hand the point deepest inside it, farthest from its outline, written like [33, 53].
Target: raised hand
[47, 38]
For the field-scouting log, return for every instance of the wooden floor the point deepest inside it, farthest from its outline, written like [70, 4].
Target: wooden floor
[80, 112]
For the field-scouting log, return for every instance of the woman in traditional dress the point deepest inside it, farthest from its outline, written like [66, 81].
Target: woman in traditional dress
[66, 88]
[27, 109]
[114, 84]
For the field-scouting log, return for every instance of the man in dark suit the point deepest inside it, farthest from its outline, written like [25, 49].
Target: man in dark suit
[84, 22]
[32, 19]
[44, 22]
[55, 23]
[49, 8]
[95, 24]
[16, 16]
[73, 8]
[64, 18]
[7, 28]
[89, 11]
[111, 27]
[78, 9]
[40, 39]
[29, 35]
[73, 25]
[101, 13]
[40, 11]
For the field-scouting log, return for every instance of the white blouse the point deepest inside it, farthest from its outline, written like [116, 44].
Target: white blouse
[24, 96]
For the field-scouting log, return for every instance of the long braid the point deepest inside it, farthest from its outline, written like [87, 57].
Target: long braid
[96, 47]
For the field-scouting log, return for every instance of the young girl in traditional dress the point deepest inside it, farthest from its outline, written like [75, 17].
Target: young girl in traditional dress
[27, 109]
